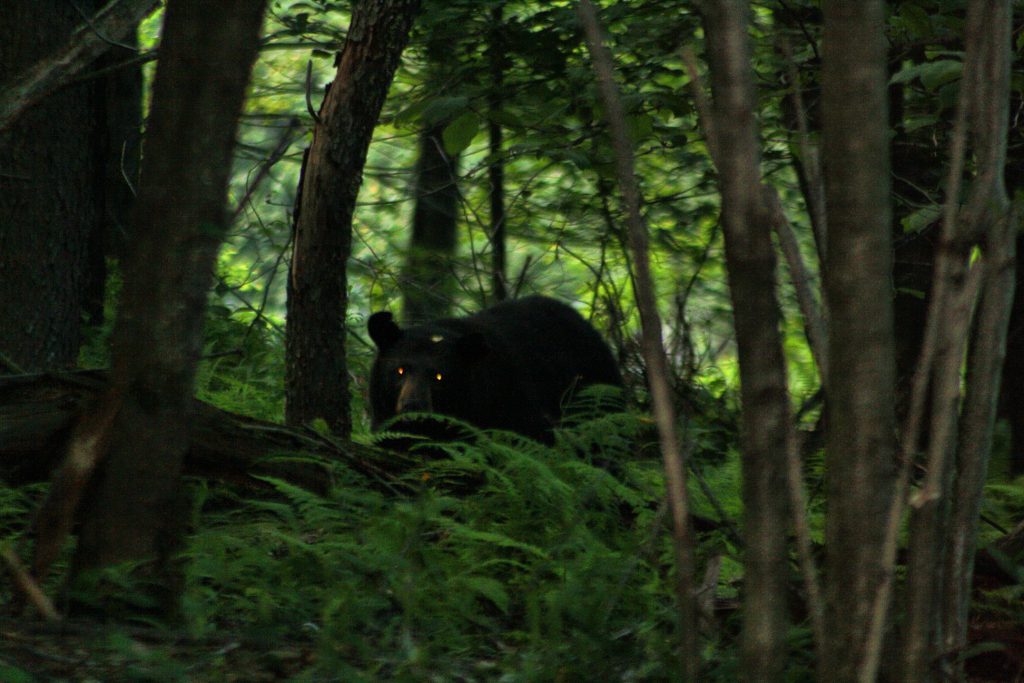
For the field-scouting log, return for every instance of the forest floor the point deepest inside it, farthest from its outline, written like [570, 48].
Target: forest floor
[79, 651]
[83, 651]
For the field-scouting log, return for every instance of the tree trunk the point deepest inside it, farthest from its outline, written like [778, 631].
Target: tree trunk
[496, 168]
[860, 447]
[750, 258]
[652, 347]
[428, 280]
[119, 119]
[135, 512]
[316, 379]
[47, 196]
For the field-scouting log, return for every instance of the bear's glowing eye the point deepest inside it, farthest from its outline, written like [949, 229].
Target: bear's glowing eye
[401, 371]
[439, 377]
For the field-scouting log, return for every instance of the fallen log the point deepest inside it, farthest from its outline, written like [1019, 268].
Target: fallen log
[38, 412]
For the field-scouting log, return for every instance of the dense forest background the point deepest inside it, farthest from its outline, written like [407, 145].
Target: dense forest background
[794, 222]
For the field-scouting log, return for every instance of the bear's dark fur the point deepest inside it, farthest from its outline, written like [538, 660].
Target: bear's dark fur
[509, 367]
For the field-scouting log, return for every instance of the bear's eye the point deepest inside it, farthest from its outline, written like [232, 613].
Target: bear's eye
[439, 377]
[401, 371]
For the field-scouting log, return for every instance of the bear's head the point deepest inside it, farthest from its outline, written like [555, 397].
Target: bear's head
[423, 369]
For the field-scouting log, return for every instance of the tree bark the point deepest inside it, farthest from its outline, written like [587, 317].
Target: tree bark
[766, 430]
[135, 512]
[47, 196]
[316, 379]
[860, 445]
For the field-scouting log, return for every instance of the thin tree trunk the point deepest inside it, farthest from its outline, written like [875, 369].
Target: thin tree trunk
[987, 216]
[136, 512]
[428, 280]
[496, 168]
[750, 258]
[651, 346]
[860, 445]
[316, 378]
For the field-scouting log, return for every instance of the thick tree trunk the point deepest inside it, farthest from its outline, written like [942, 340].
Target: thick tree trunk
[135, 511]
[750, 258]
[860, 448]
[47, 196]
[428, 280]
[316, 379]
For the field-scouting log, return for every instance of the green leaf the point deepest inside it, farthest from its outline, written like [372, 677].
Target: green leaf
[443, 108]
[491, 589]
[921, 218]
[460, 132]
[640, 127]
[931, 74]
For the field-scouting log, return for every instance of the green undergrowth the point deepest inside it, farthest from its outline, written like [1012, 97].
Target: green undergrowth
[511, 561]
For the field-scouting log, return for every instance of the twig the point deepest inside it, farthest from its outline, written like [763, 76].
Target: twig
[264, 169]
[309, 97]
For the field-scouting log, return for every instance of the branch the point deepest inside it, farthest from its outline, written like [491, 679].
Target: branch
[28, 585]
[89, 41]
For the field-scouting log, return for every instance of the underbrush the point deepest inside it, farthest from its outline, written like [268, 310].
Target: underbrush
[514, 561]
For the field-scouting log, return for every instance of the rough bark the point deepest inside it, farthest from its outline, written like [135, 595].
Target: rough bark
[47, 196]
[428, 280]
[652, 346]
[135, 510]
[860, 445]
[765, 420]
[316, 380]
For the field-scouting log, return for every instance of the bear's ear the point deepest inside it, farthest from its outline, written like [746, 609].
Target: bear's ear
[383, 330]
[472, 346]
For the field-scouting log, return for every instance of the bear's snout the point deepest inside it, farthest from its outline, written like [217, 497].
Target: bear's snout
[414, 397]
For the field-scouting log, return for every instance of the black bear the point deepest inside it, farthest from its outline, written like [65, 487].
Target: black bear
[511, 366]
